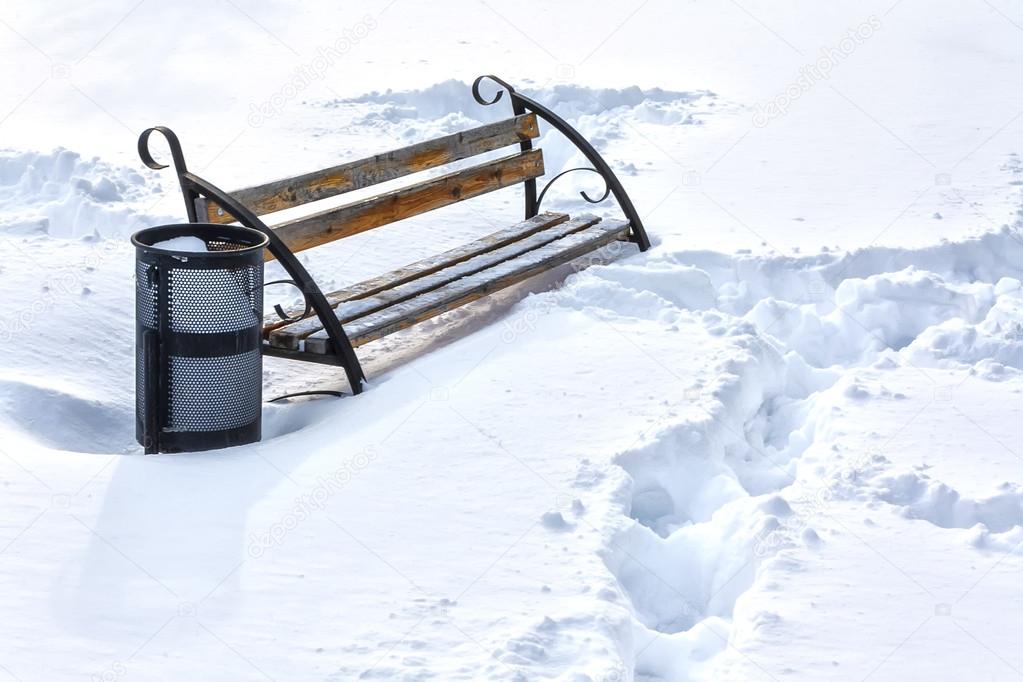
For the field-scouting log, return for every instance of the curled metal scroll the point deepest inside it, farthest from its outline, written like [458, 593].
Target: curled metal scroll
[172, 141]
[585, 196]
[522, 104]
[280, 311]
[177, 156]
[480, 99]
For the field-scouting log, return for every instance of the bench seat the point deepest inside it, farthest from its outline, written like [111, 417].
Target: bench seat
[399, 299]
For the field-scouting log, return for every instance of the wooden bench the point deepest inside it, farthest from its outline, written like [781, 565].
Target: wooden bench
[331, 325]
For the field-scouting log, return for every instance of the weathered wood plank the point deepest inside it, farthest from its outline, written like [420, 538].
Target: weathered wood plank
[290, 337]
[350, 219]
[329, 182]
[427, 266]
[468, 289]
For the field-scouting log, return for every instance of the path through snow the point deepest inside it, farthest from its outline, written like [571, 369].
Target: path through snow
[800, 453]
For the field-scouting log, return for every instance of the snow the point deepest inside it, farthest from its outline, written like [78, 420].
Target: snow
[61, 194]
[186, 244]
[781, 444]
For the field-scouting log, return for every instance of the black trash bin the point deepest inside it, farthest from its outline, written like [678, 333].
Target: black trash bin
[198, 321]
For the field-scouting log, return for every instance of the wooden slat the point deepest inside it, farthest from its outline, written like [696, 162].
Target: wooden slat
[329, 182]
[290, 336]
[468, 289]
[345, 221]
[427, 266]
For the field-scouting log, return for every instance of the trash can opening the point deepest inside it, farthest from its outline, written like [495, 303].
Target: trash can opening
[191, 238]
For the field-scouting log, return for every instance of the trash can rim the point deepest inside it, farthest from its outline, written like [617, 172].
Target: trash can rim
[252, 240]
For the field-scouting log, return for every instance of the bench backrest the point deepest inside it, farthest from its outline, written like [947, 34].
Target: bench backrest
[349, 219]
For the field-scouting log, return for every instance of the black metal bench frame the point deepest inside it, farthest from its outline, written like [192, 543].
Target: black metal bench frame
[197, 191]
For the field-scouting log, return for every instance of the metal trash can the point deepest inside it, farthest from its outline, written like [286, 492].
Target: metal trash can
[198, 324]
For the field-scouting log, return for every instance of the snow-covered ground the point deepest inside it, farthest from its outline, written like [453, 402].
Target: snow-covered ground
[782, 444]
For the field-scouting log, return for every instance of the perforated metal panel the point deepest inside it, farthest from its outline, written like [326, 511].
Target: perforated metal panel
[199, 404]
[140, 380]
[214, 301]
[145, 295]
